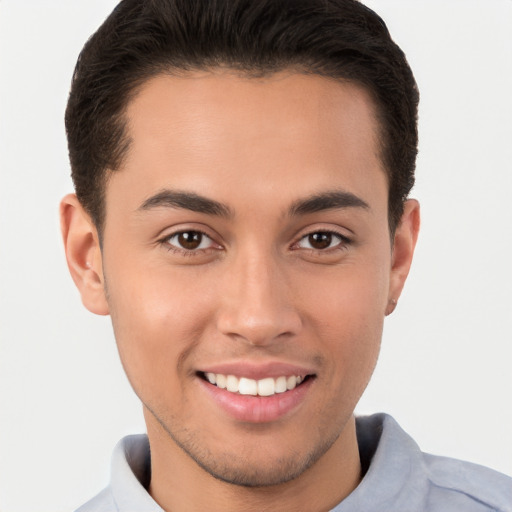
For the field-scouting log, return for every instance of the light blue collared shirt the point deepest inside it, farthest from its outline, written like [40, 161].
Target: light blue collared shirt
[400, 478]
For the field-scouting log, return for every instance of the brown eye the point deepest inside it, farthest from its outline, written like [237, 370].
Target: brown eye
[190, 240]
[320, 240]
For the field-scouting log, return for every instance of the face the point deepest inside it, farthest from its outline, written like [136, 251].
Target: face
[248, 266]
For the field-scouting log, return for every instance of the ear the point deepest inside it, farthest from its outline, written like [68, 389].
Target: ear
[404, 243]
[83, 254]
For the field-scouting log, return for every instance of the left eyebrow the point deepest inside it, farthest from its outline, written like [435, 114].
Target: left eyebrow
[327, 201]
[186, 201]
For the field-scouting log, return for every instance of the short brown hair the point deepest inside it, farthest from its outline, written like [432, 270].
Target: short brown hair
[341, 39]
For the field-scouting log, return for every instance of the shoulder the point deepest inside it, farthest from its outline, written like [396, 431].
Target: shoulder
[400, 477]
[102, 502]
[469, 485]
[129, 479]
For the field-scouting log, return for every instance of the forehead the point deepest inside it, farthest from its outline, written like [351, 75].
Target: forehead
[219, 131]
[216, 104]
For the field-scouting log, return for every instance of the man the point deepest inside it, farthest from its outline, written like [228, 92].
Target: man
[242, 172]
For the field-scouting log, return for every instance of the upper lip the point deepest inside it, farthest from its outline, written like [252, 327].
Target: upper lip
[258, 371]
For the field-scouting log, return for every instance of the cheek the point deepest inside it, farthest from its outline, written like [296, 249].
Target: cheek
[157, 318]
[347, 317]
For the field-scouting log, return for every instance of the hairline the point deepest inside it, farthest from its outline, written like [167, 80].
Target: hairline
[158, 70]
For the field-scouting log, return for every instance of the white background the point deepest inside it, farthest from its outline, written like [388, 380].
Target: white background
[444, 371]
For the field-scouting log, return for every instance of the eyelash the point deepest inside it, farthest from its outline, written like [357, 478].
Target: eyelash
[344, 241]
[183, 251]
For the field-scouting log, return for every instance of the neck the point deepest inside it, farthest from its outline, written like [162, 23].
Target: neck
[178, 483]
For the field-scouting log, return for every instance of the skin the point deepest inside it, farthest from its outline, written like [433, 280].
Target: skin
[257, 289]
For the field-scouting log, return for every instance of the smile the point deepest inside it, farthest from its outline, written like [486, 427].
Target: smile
[256, 394]
[263, 387]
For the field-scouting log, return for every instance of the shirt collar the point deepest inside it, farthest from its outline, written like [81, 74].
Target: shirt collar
[131, 473]
[395, 480]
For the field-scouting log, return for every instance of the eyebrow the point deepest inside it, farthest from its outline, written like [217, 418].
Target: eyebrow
[327, 201]
[194, 202]
[186, 200]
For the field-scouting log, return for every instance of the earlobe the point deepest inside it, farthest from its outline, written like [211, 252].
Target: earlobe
[83, 254]
[404, 243]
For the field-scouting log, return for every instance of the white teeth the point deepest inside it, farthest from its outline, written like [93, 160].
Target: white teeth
[247, 386]
[291, 382]
[221, 381]
[266, 387]
[263, 387]
[232, 384]
[281, 385]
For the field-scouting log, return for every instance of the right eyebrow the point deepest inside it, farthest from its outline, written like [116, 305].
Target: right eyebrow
[187, 201]
[329, 200]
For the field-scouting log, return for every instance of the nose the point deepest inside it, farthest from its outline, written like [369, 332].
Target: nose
[257, 302]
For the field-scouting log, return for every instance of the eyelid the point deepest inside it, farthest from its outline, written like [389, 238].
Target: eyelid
[168, 233]
[333, 230]
[334, 235]
[197, 249]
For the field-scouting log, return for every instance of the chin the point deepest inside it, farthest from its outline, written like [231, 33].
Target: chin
[259, 469]
[247, 474]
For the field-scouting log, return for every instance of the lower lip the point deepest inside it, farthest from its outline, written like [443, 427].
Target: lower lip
[258, 409]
